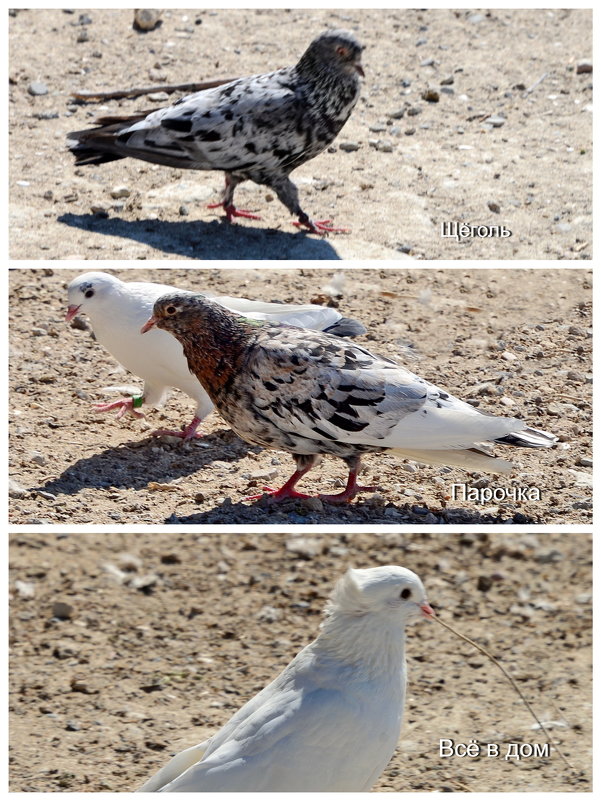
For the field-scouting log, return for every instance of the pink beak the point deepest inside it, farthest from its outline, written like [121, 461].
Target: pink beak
[150, 323]
[71, 312]
[427, 610]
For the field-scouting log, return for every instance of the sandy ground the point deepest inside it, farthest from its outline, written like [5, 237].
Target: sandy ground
[514, 342]
[161, 637]
[418, 163]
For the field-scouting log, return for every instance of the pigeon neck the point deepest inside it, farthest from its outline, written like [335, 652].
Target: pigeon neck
[214, 349]
[370, 642]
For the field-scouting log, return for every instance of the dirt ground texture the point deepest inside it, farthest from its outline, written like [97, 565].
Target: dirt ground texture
[127, 648]
[513, 342]
[508, 140]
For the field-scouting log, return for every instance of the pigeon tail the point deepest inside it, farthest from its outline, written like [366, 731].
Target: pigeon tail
[468, 459]
[174, 768]
[346, 327]
[528, 438]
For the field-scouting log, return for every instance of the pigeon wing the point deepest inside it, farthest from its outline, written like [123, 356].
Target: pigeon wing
[313, 386]
[250, 125]
[279, 746]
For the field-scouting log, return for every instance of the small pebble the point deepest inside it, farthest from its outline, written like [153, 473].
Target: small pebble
[307, 547]
[15, 490]
[37, 88]
[120, 191]
[145, 19]
[25, 589]
[584, 65]
[62, 610]
[349, 147]
[431, 95]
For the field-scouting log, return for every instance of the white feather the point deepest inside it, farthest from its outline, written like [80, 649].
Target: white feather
[331, 720]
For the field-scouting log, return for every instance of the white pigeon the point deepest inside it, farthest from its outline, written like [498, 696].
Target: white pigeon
[330, 722]
[117, 311]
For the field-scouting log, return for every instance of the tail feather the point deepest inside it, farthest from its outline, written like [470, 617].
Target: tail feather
[469, 459]
[528, 438]
[99, 145]
[174, 768]
[346, 327]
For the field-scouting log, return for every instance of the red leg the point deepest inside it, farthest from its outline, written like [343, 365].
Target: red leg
[231, 211]
[351, 489]
[227, 201]
[320, 226]
[287, 490]
[187, 434]
[125, 406]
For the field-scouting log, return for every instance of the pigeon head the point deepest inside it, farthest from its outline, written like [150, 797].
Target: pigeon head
[89, 291]
[180, 312]
[394, 592]
[337, 51]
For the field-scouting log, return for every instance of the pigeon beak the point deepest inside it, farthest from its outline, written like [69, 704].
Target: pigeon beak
[427, 610]
[150, 323]
[71, 312]
[359, 69]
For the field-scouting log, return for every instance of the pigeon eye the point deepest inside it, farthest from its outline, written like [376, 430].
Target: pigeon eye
[405, 594]
[171, 309]
[89, 293]
[342, 52]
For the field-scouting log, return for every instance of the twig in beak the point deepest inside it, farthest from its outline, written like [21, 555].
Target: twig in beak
[509, 679]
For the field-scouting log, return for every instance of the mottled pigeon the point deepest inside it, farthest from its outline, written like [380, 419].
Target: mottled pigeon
[309, 393]
[258, 128]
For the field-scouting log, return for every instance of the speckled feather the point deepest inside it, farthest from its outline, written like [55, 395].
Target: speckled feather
[308, 393]
[258, 128]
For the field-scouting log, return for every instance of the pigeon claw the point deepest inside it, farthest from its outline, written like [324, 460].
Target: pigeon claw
[124, 405]
[189, 432]
[278, 495]
[320, 227]
[231, 211]
[347, 495]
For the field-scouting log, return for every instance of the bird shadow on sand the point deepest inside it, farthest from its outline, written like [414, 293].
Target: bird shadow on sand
[218, 239]
[132, 465]
[304, 512]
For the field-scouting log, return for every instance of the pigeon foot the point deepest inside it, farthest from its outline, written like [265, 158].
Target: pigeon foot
[320, 226]
[189, 432]
[287, 490]
[125, 406]
[278, 495]
[347, 495]
[231, 211]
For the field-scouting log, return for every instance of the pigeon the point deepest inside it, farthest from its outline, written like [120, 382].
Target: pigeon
[118, 309]
[330, 722]
[258, 128]
[310, 394]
